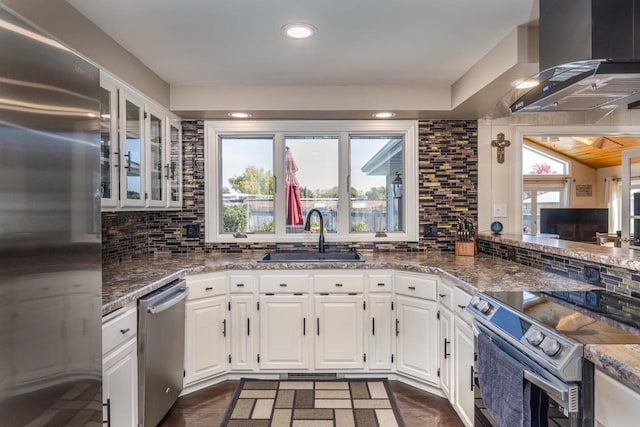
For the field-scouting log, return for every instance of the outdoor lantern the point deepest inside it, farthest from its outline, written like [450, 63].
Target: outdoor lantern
[397, 186]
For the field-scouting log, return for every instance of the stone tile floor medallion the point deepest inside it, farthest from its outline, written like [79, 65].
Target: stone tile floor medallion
[301, 403]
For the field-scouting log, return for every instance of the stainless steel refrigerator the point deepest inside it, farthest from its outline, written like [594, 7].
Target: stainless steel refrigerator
[50, 269]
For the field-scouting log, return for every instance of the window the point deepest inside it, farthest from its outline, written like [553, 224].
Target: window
[264, 177]
[545, 185]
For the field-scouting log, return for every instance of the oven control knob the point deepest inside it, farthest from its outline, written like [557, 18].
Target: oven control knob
[484, 307]
[535, 338]
[550, 346]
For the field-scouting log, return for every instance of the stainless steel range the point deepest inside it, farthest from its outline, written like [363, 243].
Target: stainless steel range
[546, 334]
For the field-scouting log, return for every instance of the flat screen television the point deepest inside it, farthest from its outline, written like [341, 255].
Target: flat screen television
[577, 224]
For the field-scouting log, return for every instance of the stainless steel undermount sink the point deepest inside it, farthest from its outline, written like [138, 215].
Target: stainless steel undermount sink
[311, 257]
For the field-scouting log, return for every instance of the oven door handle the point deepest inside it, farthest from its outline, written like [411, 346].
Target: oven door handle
[560, 395]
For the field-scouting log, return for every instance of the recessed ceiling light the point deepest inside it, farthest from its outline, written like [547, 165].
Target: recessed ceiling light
[525, 84]
[384, 115]
[299, 30]
[239, 115]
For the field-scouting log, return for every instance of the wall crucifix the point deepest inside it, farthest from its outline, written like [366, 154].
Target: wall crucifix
[501, 143]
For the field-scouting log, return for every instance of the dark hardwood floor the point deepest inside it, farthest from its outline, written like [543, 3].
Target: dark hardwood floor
[206, 408]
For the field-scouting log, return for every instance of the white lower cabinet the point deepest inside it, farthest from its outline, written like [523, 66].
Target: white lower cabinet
[417, 338]
[338, 330]
[243, 354]
[284, 332]
[120, 368]
[463, 365]
[380, 321]
[120, 385]
[206, 332]
[615, 403]
[446, 352]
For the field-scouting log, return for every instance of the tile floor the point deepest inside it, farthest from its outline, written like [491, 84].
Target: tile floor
[208, 407]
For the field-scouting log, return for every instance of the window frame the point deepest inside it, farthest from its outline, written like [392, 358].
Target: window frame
[281, 128]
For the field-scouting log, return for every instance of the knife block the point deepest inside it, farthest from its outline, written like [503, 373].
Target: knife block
[469, 248]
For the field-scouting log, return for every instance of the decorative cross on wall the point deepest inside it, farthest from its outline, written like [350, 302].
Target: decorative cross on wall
[500, 143]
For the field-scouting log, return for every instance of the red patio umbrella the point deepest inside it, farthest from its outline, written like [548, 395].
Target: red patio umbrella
[293, 202]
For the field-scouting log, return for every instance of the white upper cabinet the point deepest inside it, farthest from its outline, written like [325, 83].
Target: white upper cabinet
[155, 144]
[108, 142]
[173, 162]
[141, 151]
[132, 186]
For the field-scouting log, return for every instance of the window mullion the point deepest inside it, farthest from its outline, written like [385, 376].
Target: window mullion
[344, 200]
[279, 196]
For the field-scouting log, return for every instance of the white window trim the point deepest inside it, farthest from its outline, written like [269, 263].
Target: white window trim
[407, 128]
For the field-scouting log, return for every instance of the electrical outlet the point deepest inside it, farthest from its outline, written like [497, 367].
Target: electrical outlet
[430, 231]
[192, 231]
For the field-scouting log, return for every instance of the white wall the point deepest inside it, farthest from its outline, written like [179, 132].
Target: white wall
[502, 183]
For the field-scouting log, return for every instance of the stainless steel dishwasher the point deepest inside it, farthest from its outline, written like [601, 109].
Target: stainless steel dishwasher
[161, 316]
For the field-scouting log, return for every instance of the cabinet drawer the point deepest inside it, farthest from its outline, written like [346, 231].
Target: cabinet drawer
[339, 283]
[119, 329]
[415, 285]
[206, 285]
[460, 301]
[242, 283]
[284, 283]
[380, 282]
[445, 295]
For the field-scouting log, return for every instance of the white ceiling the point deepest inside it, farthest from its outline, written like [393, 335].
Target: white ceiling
[359, 42]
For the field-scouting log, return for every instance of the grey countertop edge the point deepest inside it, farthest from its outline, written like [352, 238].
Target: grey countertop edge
[624, 258]
[621, 361]
[112, 306]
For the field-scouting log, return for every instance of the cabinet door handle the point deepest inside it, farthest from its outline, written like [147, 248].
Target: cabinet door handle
[462, 307]
[442, 295]
[446, 342]
[338, 285]
[240, 285]
[380, 284]
[208, 288]
[318, 325]
[283, 285]
[124, 331]
[224, 328]
[248, 326]
[412, 288]
[373, 326]
[108, 405]
[304, 326]
[471, 379]
[397, 327]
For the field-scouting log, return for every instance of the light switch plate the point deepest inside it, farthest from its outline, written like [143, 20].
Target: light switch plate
[500, 210]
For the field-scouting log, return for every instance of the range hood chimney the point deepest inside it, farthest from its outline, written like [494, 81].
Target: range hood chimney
[590, 54]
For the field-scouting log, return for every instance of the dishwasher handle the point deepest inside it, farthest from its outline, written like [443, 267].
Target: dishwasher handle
[182, 294]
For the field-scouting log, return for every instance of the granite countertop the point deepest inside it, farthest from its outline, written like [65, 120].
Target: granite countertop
[127, 281]
[625, 258]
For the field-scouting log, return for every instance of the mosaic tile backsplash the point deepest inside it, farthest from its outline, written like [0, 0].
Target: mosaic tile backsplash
[448, 190]
[615, 279]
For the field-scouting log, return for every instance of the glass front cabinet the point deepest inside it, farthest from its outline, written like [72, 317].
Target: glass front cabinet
[141, 151]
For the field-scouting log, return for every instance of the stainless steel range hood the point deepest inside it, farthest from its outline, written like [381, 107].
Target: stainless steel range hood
[581, 86]
[590, 53]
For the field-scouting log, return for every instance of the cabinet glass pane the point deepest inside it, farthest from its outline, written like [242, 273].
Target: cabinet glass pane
[311, 171]
[174, 164]
[377, 173]
[246, 181]
[133, 154]
[106, 144]
[155, 161]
